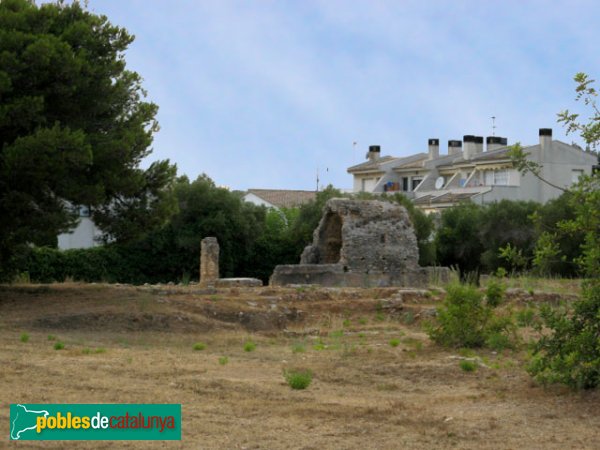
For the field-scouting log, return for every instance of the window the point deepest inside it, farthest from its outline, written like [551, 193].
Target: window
[488, 177]
[405, 184]
[415, 182]
[501, 177]
[496, 177]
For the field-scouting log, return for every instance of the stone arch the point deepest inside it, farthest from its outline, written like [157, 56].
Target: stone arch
[330, 239]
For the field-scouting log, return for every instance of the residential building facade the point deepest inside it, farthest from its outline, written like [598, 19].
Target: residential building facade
[468, 172]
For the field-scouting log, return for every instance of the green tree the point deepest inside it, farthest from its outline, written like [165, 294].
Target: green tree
[457, 240]
[503, 224]
[74, 127]
[207, 210]
[556, 251]
[307, 220]
[570, 353]
[424, 227]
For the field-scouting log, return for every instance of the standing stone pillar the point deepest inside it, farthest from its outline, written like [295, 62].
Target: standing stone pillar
[209, 261]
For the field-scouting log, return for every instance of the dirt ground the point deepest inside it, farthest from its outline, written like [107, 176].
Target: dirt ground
[127, 344]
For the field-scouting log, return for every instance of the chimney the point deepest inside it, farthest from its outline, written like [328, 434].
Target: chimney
[495, 142]
[374, 152]
[545, 138]
[454, 147]
[478, 144]
[469, 148]
[434, 148]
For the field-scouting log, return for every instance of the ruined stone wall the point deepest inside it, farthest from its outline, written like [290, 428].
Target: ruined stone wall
[209, 261]
[364, 236]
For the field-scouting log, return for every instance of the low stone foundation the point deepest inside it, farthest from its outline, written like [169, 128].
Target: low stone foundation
[333, 275]
[238, 282]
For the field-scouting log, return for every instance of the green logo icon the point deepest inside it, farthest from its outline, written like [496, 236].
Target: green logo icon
[95, 422]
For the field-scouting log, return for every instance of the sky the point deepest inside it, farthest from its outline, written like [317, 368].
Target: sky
[266, 94]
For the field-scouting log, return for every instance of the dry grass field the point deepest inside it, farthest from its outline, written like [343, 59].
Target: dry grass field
[126, 344]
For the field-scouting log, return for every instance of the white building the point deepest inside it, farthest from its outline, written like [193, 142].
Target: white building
[468, 172]
[85, 234]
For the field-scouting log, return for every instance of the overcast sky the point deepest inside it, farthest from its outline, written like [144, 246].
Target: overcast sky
[261, 94]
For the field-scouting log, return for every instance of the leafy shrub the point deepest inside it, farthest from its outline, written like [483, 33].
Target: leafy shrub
[571, 353]
[223, 360]
[501, 272]
[468, 366]
[494, 293]
[319, 345]
[199, 346]
[465, 320]
[59, 346]
[24, 337]
[249, 346]
[394, 342]
[526, 317]
[298, 378]
[462, 319]
[498, 341]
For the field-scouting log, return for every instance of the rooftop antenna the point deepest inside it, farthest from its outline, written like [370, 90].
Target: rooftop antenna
[317, 179]
[493, 125]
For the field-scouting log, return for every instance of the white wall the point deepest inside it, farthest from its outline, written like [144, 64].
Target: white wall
[82, 236]
[251, 198]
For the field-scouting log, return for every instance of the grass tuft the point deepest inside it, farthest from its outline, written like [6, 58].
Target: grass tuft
[59, 346]
[249, 346]
[298, 347]
[298, 378]
[468, 366]
[24, 337]
[199, 346]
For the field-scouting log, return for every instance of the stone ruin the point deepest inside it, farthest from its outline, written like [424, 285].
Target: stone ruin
[361, 243]
[209, 261]
[209, 268]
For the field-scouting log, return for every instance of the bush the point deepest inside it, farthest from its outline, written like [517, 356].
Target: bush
[526, 317]
[199, 346]
[465, 320]
[59, 346]
[223, 360]
[462, 319]
[24, 337]
[468, 366]
[298, 378]
[571, 354]
[249, 346]
[494, 293]
[498, 341]
[395, 342]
